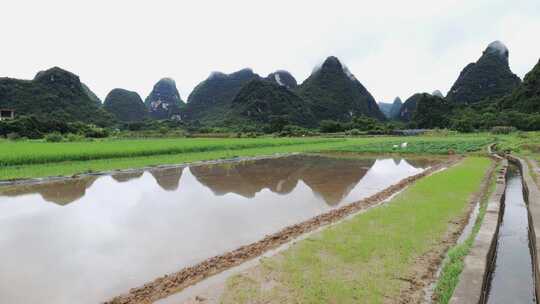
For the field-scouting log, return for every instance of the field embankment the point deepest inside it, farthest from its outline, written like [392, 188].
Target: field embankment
[29, 159]
[379, 256]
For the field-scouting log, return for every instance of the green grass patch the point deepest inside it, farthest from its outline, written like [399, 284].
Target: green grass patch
[364, 259]
[27, 159]
[39, 152]
[521, 143]
[457, 145]
[73, 167]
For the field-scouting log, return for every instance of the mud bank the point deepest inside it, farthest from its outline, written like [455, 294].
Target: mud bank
[175, 282]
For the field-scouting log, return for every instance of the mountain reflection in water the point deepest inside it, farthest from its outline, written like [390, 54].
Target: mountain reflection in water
[330, 178]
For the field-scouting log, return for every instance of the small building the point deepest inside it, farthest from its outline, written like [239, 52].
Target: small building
[6, 114]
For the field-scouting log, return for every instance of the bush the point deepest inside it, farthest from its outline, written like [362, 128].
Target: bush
[354, 132]
[13, 136]
[74, 137]
[54, 137]
[134, 126]
[177, 133]
[463, 125]
[331, 126]
[95, 132]
[440, 133]
[163, 131]
[522, 134]
[277, 123]
[206, 130]
[502, 130]
[294, 131]
[364, 123]
[24, 126]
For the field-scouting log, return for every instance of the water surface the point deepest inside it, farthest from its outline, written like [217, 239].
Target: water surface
[86, 240]
[512, 280]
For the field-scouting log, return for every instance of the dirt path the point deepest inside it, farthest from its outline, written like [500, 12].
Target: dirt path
[176, 282]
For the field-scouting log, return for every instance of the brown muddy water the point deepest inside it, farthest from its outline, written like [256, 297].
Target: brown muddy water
[512, 279]
[89, 239]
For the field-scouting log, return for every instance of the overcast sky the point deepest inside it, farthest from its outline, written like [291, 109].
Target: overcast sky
[395, 48]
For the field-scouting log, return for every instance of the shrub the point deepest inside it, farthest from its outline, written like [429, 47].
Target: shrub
[522, 134]
[277, 123]
[177, 133]
[74, 137]
[95, 132]
[163, 131]
[502, 130]
[463, 125]
[13, 136]
[294, 131]
[54, 137]
[134, 126]
[354, 132]
[440, 133]
[206, 130]
[364, 123]
[331, 126]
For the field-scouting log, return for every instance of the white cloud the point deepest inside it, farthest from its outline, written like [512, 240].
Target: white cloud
[392, 47]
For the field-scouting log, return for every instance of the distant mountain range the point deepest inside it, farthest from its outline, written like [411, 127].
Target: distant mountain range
[485, 81]
[391, 110]
[211, 99]
[526, 97]
[490, 76]
[334, 93]
[125, 105]
[409, 107]
[260, 101]
[54, 93]
[283, 78]
[164, 101]
[331, 92]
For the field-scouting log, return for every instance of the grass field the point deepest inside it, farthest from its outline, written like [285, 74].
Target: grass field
[449, 277]
[39, 152]
[362, 260]
[26, 159]
[525, 144]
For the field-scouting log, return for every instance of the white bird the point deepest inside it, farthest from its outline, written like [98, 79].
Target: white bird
[404, 145]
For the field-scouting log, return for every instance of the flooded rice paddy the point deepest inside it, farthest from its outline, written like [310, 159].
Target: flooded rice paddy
[512, 279]
[88, 239]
